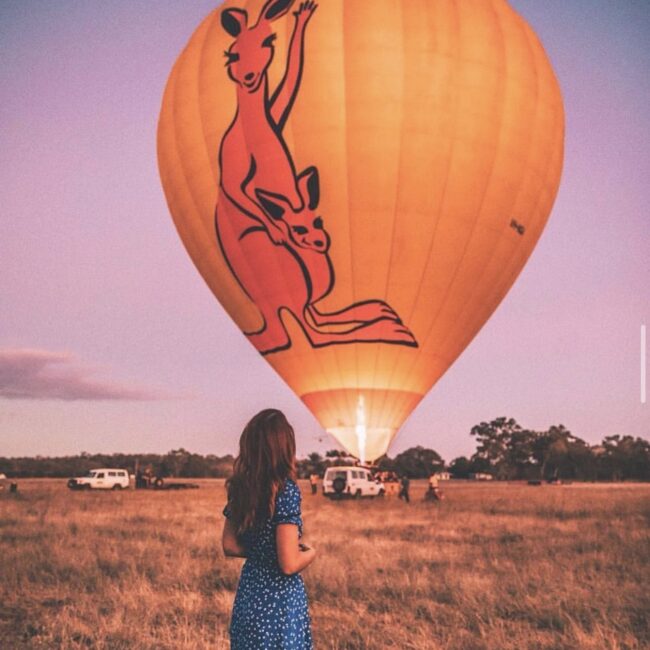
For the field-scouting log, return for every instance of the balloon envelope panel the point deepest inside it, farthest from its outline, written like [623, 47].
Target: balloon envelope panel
[436, 132]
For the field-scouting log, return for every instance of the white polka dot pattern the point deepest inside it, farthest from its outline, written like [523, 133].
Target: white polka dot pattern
[270, 610]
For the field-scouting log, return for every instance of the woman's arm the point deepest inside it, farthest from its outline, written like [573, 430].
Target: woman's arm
[230, 543]
[291, 558]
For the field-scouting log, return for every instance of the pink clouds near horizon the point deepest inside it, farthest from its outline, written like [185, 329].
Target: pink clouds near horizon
[43, 374]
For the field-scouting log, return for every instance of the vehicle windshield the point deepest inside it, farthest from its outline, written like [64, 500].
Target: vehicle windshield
[91, 474]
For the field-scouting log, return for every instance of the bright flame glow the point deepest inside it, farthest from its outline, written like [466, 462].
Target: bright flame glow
[360, 429]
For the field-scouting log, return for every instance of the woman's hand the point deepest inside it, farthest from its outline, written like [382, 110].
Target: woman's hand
[293, 555]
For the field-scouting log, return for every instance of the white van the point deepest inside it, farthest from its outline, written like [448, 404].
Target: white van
[340, 482]
[101, 479]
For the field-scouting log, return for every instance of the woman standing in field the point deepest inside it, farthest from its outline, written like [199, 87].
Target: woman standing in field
[264, 525]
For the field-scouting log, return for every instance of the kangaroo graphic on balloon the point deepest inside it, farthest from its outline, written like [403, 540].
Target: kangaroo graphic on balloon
[267, 220]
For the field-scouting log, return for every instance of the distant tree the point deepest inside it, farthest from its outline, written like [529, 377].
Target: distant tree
[625, 458]
[195, 466]
[560, 454]
[313, 464]
[316, 463]
[418, 462]
[493, 451]
[582, 461]
[550, 448]
[222, 467]
[335, 457]
[519, 461]
[385, 464]
[461, 467]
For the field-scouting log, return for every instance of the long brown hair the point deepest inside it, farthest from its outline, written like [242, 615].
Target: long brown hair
[267, 457]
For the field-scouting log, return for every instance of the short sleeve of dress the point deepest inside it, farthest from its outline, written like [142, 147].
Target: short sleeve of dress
[287, 505]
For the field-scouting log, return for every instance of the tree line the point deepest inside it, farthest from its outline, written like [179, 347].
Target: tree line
[504, 450]
[508, 451]
[177, 463]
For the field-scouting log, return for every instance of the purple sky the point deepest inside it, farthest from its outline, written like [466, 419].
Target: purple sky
[111, 341]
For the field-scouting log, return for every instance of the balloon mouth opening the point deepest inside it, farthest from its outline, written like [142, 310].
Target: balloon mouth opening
[364, 421]
[366, 443]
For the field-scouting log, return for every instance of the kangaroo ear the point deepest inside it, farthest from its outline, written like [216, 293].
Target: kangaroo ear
[309, 186]
[272, 204]
[234, 20]
[275, 9]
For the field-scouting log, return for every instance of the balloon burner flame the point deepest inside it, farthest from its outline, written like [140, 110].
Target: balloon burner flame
[361, 430]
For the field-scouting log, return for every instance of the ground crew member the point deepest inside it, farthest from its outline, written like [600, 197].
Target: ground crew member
[404, 492]
[313, 481]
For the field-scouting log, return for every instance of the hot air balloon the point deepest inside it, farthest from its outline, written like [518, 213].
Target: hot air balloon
[360, 183]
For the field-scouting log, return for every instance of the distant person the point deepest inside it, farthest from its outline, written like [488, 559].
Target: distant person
[405, 484]
[264, 525]
[434, 493]
[313, 481]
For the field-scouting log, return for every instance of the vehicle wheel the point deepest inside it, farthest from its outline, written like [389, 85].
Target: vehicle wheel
[72, 484]
[339, 485]
[357, 494]
[86, 487]
[117, 486]
[158, 483]
[381, 493]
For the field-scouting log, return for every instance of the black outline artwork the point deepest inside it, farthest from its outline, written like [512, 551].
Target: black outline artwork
[271, 235]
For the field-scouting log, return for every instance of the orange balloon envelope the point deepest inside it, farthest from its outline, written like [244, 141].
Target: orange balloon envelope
[360, 183]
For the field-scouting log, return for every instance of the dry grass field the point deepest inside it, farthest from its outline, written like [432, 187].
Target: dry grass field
[492, 567]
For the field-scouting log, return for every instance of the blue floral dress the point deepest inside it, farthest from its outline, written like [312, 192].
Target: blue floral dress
[270, 610]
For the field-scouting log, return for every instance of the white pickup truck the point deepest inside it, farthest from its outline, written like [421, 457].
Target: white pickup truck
[101, 479]
[340, 482]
